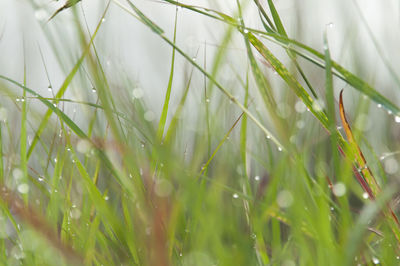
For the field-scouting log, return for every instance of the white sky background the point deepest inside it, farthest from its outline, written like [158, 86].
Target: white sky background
[125, 45]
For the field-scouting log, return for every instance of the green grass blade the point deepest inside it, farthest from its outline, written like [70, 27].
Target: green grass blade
[164, 113]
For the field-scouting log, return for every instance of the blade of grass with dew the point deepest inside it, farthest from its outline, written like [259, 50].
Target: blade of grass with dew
[356, 152]
[219, 86]
[263, 86]
[330, 102]
[173, 125]
[65, 85]
[204, 168]
[365, 172]
[289, 79]
[164, 113]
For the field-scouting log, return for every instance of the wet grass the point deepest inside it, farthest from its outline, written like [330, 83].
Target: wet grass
[261, 168]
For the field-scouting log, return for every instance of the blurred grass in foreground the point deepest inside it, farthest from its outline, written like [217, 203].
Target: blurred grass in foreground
[244, 172]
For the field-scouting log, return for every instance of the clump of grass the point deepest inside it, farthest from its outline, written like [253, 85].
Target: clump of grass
[99, 179]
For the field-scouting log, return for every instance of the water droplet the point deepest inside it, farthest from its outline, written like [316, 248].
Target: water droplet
[339, 189]
[389, 112]
[398, 257]
[365, 195]
[103, 20]
[93, 90]
[75, 214]
[300, 124]
[279, 148]
[137, 93]
[268, 137]
[235, 196]
[391, 166]
[40, 179]
[375, 260]
[163, 188]
[83, 146]
[379, 105]
[397, 119]
[246, 31]
[41, 15]
[55, 160]
[149, 116]
[17, 174]
[330, 25]
[194, 58]
[106, 198]
[23, 188]
[49, 88]
[207, 100]
[257, 178]
[284, 199]
[300, 107]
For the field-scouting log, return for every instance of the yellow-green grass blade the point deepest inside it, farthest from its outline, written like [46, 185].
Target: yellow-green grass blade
[164, 113]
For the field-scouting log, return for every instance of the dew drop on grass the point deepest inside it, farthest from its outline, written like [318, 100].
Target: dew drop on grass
[207, 100]
[389, 112]
[41, 14]
[339, 189]
[391, 166]
[49, 88]
[40, 179]
[397, 119]
[279, 148]
[103, 20]
[365, 195]
[149, 116]
[23, 188]
[284, 199]
[268, 137]
[375, 260]
[194, 58]
[246, 31]
[300, 124]
[257, 178]
[93, 90]
[106, 198]
[300, 107]
[330, 25]
[235, 196]
[379, 105]
[137, 93]
[17, 174]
